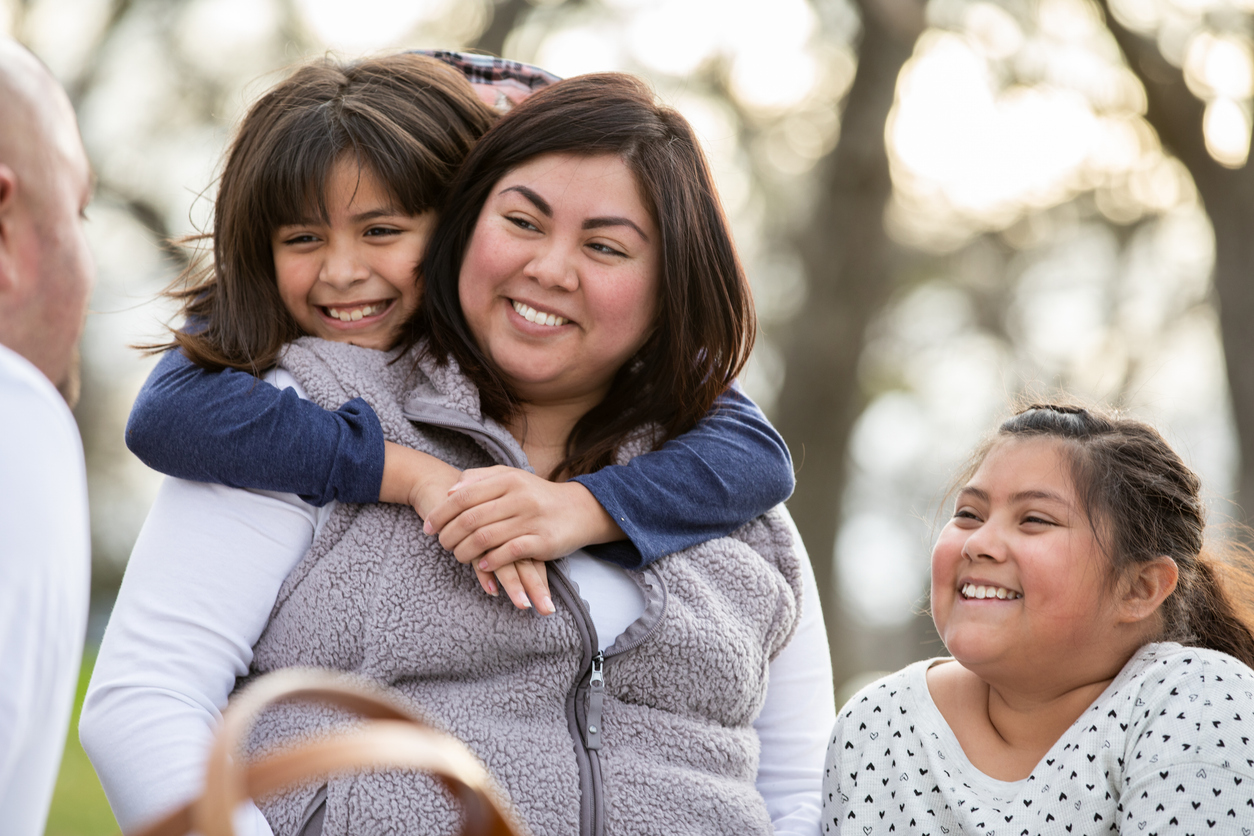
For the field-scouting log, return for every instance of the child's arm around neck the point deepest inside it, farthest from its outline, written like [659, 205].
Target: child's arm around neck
[230, 428]
[227, 427]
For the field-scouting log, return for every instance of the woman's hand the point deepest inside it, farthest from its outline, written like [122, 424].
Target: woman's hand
[496, 516]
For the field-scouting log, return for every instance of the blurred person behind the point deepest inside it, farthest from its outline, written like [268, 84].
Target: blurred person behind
[46, 276]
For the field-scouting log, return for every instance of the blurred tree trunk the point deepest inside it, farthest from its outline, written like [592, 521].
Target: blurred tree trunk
[506, 14]
[847, 257]
[1228, 195]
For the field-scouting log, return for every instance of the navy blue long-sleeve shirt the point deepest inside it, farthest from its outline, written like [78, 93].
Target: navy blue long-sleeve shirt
[230, 428]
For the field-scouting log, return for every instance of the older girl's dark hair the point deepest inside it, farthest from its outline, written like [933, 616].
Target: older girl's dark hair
[1144, 503]
[705, 324]
[408, 119]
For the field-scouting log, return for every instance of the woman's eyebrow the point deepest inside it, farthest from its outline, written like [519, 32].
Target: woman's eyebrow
[540, 203]
[591, 223]
[597, 223]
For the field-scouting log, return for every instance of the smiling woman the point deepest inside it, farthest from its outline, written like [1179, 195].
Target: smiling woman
[571, 239]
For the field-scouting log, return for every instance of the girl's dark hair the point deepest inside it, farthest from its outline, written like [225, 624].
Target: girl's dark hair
[1143, 503]
[408, 119]
[705, 323]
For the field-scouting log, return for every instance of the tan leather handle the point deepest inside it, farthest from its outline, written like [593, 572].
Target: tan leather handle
[392, 738]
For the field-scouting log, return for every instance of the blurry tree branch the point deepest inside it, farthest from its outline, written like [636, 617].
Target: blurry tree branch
[847, 258]
[1228, 195]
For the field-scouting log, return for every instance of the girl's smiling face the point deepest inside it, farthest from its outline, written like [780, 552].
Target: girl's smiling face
[560, 279]
[353, 276]
[1018, 575]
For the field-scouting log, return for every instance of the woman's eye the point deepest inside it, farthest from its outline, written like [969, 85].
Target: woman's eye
[1033, 520]
[300, 238]
[606, 249]
[522, 223]
[381, 231]
[965, 514]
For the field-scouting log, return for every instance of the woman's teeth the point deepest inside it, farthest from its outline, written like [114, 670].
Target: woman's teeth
[970, 590]
[532, 315]
[354, 314]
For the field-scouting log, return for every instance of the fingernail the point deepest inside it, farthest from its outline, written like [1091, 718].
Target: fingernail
[547, 604]
[455, 487]
[492, 590]
[524, 601]
[483, 564]
[426, 527]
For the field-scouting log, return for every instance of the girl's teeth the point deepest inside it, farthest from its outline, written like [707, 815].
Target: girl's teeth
[971, 590]
[532, 315]
[354, 314]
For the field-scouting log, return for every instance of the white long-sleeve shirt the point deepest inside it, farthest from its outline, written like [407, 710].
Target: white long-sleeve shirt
[198, 592]
[45, 572]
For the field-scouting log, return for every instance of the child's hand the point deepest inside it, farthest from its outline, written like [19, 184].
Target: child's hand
[498, 515]
[424, 482]
[526, 582]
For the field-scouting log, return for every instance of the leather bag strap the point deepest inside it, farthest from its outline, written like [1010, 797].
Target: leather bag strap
[391, 738]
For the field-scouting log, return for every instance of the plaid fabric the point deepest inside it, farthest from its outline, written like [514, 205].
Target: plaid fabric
[499, 82]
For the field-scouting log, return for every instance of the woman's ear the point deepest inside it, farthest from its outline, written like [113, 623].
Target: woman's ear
[1148, 585]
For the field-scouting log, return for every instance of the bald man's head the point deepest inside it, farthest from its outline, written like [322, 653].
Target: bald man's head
[46, 272]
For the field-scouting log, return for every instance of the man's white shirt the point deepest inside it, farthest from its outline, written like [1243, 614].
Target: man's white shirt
[45, 579]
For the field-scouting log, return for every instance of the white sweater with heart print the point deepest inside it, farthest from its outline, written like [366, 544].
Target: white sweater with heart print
[1168, 748]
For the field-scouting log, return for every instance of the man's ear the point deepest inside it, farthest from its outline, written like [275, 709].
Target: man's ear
[8, 208]
[1148, 585]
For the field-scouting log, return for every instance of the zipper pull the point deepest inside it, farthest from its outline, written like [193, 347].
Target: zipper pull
[596, 699]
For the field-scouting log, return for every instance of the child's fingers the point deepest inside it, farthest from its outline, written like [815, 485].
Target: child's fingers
[513, 586]
[518, 547]
[480, 530]
[487, 580]
[477, 474]
[535, 580]
[471, 495]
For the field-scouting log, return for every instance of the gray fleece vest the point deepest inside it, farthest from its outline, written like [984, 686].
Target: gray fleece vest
[653, 737]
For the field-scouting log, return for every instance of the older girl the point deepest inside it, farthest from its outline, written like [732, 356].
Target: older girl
[583, 302]
[1100, 679]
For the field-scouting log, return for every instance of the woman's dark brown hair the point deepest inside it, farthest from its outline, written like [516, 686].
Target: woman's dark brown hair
[408, 119]
[705, 322]
[1143, 503]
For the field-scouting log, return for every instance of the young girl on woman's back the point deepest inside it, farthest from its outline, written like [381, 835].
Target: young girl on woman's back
[408, 120]
[322, 216]
[1100, 679]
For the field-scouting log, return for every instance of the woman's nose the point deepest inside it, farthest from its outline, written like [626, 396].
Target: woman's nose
[553, 266]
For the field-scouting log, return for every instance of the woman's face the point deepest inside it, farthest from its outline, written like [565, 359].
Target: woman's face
[559, 283]
[353, 276]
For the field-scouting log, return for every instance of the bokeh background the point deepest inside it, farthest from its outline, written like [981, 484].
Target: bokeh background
[942, 205]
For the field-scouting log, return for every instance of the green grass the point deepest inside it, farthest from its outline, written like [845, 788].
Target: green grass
[79, 807]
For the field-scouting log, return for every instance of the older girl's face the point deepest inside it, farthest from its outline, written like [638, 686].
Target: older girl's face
[560, 280]
[1018, 576]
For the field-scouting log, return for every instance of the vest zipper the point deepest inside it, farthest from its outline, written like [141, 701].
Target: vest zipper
[596, 700]
[587, 740]
[587, 755]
